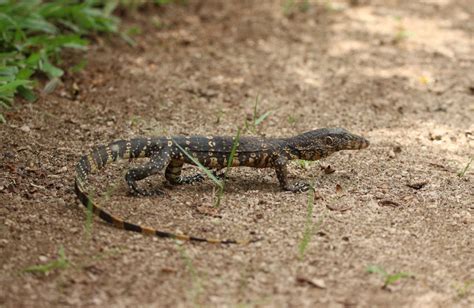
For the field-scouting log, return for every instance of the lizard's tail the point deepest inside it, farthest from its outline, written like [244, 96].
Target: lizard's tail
[96, 160]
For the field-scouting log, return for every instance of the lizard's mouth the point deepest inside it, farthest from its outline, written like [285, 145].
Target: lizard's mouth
[358, 143]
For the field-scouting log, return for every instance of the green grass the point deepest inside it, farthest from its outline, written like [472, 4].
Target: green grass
[32, 35]
[290, 7]
[464, 288]
[111, 189]
[464, 170]
[89, 216]
[196, 284]
[304, 164]
[291, 120]
[201, 166]
[389, 279]
[401, 32]
[309, 227]
[230, 159]
[219, 183]
[60, 263]
[256, 118]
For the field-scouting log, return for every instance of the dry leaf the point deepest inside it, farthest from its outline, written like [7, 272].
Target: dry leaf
[327, 169]
[168, 270]
[337, 209]
[389, 203]
[417, 185]
[317, 196]
[317, 283]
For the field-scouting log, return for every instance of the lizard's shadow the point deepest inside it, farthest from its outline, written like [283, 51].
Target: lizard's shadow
[233, 184]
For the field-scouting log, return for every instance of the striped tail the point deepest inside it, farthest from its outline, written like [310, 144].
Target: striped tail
[96, 160]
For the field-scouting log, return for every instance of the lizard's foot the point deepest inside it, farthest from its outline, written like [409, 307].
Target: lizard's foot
[298, 187]
[191, 179]
[136, 191]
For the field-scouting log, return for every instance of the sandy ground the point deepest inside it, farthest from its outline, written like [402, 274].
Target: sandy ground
[399, 73]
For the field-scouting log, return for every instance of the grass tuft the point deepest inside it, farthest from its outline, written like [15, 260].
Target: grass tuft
[464, 288]
[256, 118]
[389, 279]
[60, 263]
[230, 159]
[89, 217]
[289, 7]
[196, 288]
[310, 227]
[464, 170]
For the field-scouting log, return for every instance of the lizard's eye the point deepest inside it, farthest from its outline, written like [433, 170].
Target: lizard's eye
[328, 140]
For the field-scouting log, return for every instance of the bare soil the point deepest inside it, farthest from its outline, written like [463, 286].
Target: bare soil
[397, 72]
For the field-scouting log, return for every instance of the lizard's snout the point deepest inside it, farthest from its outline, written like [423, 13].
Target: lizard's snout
[364, 143]
[358, 143]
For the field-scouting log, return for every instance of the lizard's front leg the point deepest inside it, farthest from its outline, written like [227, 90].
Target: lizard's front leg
[282, 175]
[156, 164]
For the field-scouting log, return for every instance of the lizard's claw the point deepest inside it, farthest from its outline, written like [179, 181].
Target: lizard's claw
[298, 187]
[136, 191]
[191, 179]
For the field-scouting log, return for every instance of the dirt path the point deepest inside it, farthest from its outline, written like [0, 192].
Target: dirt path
[397, 72]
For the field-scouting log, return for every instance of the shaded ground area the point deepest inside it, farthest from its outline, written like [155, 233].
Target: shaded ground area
[397, 72]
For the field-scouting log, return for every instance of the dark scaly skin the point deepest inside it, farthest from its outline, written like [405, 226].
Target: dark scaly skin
[212, 152]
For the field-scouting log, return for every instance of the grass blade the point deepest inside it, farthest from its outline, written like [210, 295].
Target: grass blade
[60, 263]
[233, 150]
[10, 87]
[463, 172]
[374, 269]
[201, 166]
[262, 117]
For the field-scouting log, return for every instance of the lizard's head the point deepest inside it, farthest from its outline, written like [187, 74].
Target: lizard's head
[321, 143]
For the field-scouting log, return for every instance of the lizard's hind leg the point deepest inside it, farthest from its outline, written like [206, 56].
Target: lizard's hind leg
[173, 174]
[156, 164]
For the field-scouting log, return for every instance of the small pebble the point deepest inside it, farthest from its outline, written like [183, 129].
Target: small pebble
[465, 217]
[25, 128]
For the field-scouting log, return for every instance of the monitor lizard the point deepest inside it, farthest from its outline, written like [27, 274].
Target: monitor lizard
[212, 152]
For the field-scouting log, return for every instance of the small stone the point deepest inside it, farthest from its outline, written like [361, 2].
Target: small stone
[432, 206]
[434, 136]
[237, 258]
[25, 128]
[43, 258]
[465, 217]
